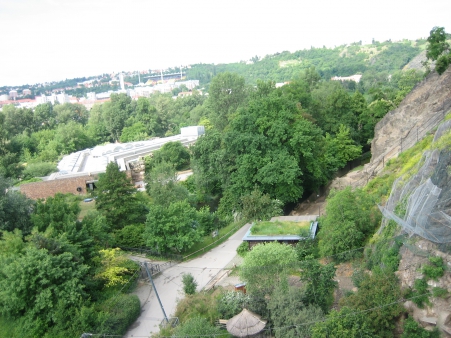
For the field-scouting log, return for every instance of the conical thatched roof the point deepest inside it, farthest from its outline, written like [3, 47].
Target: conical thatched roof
[246, 323]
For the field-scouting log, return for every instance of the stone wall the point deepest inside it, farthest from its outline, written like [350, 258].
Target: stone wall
[46, 189]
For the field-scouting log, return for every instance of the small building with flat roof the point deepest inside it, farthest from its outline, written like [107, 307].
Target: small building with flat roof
[254, 239]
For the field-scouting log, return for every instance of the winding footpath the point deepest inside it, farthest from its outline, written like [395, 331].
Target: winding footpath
[170, 288]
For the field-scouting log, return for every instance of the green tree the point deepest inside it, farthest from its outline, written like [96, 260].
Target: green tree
[172, 227]
[269, 145]
[71, 112]
[413, 330]
[44, 116]
[319, 283]
[258, 206]
[387, 293]
[130, 236]
[17, 120]
[96, 127]
[38, 169]
[55, 212]
[210, 164]
[351, 216]
[136, 132]
[226, 93]
[438, 49]
[345, 323]
[115, 267]
[340, 149]
[116, 198]
[163, 186]
[290, 316]
[189, 284]
[33, 283]
[115, 113]
[15, 209]
[171, 152]
[266, 266]
[149, 117]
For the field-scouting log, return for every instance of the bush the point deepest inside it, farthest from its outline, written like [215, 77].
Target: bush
[119, 313]
[200, 304]
[435, 270]
[198, 326]
[243, 249]
[130, 236]
[189, 284]
[381, 287]
[413, 330]
[440, 292]
[38, 169]
[307, 247]
[231, 303]
[420, 294]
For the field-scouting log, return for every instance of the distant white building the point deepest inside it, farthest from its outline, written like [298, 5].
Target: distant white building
[356, 78]
[60, 98]
[95, 160]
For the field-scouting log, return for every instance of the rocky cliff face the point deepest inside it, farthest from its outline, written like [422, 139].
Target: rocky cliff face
[421, 111]
[418, 114]
[438, 312]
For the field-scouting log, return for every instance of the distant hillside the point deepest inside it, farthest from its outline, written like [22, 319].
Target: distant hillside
[385, 58]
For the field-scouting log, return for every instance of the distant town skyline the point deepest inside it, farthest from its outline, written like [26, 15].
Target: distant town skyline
[51, 40]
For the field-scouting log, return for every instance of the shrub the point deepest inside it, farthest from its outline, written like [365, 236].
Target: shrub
[307, 247]
[439, 292]
[420, 295]
[38, 169]
[189, 284]
[231, 303]
[200, 304]
[119, 313]
[243, 249]
[413, 330]
[198, 326]
[435, 270]
[130, 236]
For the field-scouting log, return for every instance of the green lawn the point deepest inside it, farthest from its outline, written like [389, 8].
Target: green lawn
[279, 228]
[86, 207]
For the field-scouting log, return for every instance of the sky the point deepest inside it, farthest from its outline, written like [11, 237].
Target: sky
[51, 40]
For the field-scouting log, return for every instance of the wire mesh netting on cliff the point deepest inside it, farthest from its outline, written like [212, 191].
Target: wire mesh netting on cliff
[421, 203]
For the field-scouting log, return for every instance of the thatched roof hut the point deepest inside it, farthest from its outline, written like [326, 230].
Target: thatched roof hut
[245, 324]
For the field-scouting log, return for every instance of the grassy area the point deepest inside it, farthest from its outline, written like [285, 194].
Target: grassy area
[279, 228]
[86, 207]
[210, 242]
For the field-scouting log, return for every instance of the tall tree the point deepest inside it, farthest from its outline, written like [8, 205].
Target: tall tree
[33, 283]
[172, 227]
[15, 209]
[266, 266]
[163, 186]
[227, 92]
[116, 199]
[116, 112]
[438, 49]
[290, 315]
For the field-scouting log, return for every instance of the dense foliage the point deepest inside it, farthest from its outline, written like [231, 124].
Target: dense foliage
[265, 148]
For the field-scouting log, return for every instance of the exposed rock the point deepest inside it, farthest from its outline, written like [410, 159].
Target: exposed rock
[424, 106]
[420, 112]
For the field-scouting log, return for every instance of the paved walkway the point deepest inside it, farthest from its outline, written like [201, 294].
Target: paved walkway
[170, 288]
